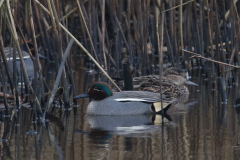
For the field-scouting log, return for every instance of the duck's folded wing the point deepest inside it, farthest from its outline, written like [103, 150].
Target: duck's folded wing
[144, 78]
[143, 96]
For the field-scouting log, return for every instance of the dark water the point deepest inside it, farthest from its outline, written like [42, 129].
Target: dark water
[201, 127]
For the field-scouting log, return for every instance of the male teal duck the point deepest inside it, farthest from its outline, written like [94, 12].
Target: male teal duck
[174, 82]
[122, 103]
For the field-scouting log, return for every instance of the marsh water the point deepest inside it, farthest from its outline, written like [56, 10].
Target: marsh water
[200, 126]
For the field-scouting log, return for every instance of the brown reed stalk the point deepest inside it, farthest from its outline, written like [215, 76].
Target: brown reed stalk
[34, 41]
[4, 87]
[138, 46]
[16, 98]
[161, 55]
[55, 14]
[99, 47]
[103, 34]
[210, 29]
[199, 56]
[160, 46]
[1, 2]
[218, 36]
[116, 54]
[11, 18]
[232, 19]
[171, 21]
[197, 39]
[15, 91]
[201, 20]
[174, 35]
[122, 34]
[39, 23]
[107, 52]
[85, 24]
[63, 18]
[238, 23]
[181, 28]
[94, 29]
[90, 22]
[90, 56]
[226, 14]
[71, 79]
[58, 41]
[29, 51]
[84, 50]
[169, 45]
[23, 38]
[145, 5]
[52, 17]
[188, 35]
[140, 31]
[128, 30]
[181, 4]
[36, 62]
[5, 63]
[11, 28]
[59, 75]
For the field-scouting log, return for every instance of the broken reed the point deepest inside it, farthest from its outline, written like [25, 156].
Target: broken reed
[106, 30]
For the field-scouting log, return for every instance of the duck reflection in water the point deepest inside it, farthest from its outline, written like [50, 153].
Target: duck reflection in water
[103, 127]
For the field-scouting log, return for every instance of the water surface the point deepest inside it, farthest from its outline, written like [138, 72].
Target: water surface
[197, 127]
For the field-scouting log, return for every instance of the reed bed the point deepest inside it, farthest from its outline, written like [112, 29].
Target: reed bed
[190, 34]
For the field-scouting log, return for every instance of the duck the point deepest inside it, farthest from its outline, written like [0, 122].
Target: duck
[9, 51]
[107, 102]
[174, 82]
[26, 57]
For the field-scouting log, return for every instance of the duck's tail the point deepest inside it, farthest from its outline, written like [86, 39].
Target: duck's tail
[164, 113]
[158, 117]
[164, 109]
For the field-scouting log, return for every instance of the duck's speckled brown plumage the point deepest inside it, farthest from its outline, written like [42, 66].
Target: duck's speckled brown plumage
[173, 82]
[152, 84]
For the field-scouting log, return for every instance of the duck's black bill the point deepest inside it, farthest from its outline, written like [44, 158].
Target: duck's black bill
[84, 95]
[191, 83]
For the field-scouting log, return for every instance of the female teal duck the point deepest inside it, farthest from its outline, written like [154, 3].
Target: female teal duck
[122, 103]
[174, 82]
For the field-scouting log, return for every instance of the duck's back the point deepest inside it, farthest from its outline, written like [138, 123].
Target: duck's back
[152, 84]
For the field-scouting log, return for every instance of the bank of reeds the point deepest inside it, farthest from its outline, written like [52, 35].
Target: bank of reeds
[187, 34]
